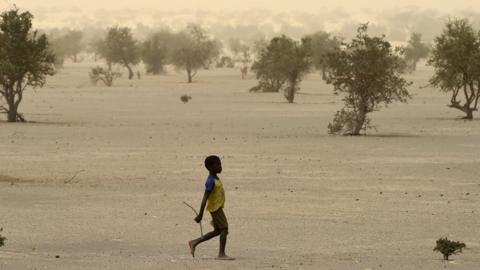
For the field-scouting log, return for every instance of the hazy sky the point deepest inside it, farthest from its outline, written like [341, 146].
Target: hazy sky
[276, 5]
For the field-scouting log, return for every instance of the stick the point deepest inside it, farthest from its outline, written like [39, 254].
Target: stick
[73, 177]
[196, 213]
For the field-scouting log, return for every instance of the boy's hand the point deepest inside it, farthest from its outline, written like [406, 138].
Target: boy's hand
[198, 219]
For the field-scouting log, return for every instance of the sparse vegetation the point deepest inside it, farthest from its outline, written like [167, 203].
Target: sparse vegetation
[25, 60]
[193, 50]
[185, 98]
[119, 47]
[154, 52]
[456, 61]
[415, 51]
[449, 248]
[283, 61]
[242, 55]
[105, 75]
[322, 44]
[367, 71]
[68, 45]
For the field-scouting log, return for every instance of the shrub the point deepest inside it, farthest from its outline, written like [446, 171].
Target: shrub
[185, 98]
[106, 75]
[448, 248]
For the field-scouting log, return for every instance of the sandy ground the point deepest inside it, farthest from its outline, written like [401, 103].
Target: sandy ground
[99, 178]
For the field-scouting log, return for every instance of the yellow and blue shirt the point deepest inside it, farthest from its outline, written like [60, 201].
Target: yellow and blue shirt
[216, 200]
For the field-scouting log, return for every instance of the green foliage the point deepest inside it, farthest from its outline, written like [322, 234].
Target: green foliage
[25, 60]
[415, 51]
[154, 52]
[119, 47]
[105, 75]
[283, 61]
[193, 50]
[456, 61]
[322, 44]
[367, 72]
[448, 248]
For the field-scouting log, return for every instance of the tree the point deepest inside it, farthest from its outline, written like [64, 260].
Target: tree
[119, 47]
[322, 43]
[68, 46]
[154, 52]
[283, 61]
[194, 50]
[367, 72]
[242, 54]
[448, 248]
[456, 61]
[415, 51]
[25, 60]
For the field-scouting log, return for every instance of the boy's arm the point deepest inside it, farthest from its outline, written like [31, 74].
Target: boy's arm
[202, 206]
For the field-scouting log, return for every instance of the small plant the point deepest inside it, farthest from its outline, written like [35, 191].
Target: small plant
[106, 75]
[448, 248]
[185, 98]
[2, 239]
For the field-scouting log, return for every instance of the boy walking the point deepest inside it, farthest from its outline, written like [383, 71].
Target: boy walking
[215, 197]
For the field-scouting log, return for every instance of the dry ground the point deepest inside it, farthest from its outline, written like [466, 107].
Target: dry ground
[99, 178]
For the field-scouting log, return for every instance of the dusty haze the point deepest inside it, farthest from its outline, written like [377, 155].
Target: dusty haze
[283, 5]
[97, 179]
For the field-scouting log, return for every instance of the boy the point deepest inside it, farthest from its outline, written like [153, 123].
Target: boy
[215, 196]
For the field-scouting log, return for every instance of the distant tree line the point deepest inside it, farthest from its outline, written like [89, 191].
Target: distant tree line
[367, 71]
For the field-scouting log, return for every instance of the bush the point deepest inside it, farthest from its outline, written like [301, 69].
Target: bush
[106, 75]
[448, 248]
[185, 98]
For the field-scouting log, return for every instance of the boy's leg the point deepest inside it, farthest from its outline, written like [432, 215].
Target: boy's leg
[222, 225]
[223, 242]
[194, 243]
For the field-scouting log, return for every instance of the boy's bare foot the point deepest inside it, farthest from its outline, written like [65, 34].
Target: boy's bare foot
[191, 244]
[225, 258]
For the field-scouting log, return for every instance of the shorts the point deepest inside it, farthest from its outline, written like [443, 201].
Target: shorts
[219, 220]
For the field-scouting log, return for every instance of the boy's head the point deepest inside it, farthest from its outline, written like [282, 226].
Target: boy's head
[213, 164]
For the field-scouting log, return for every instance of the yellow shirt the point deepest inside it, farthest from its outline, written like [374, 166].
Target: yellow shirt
[216, 200]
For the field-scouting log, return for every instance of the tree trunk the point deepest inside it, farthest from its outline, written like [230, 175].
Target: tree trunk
[130, 72]
[190, 77]
[469, 115]
[360, 121]
[324, 74]
[414, 65]
[12, 116]
[290, 95]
